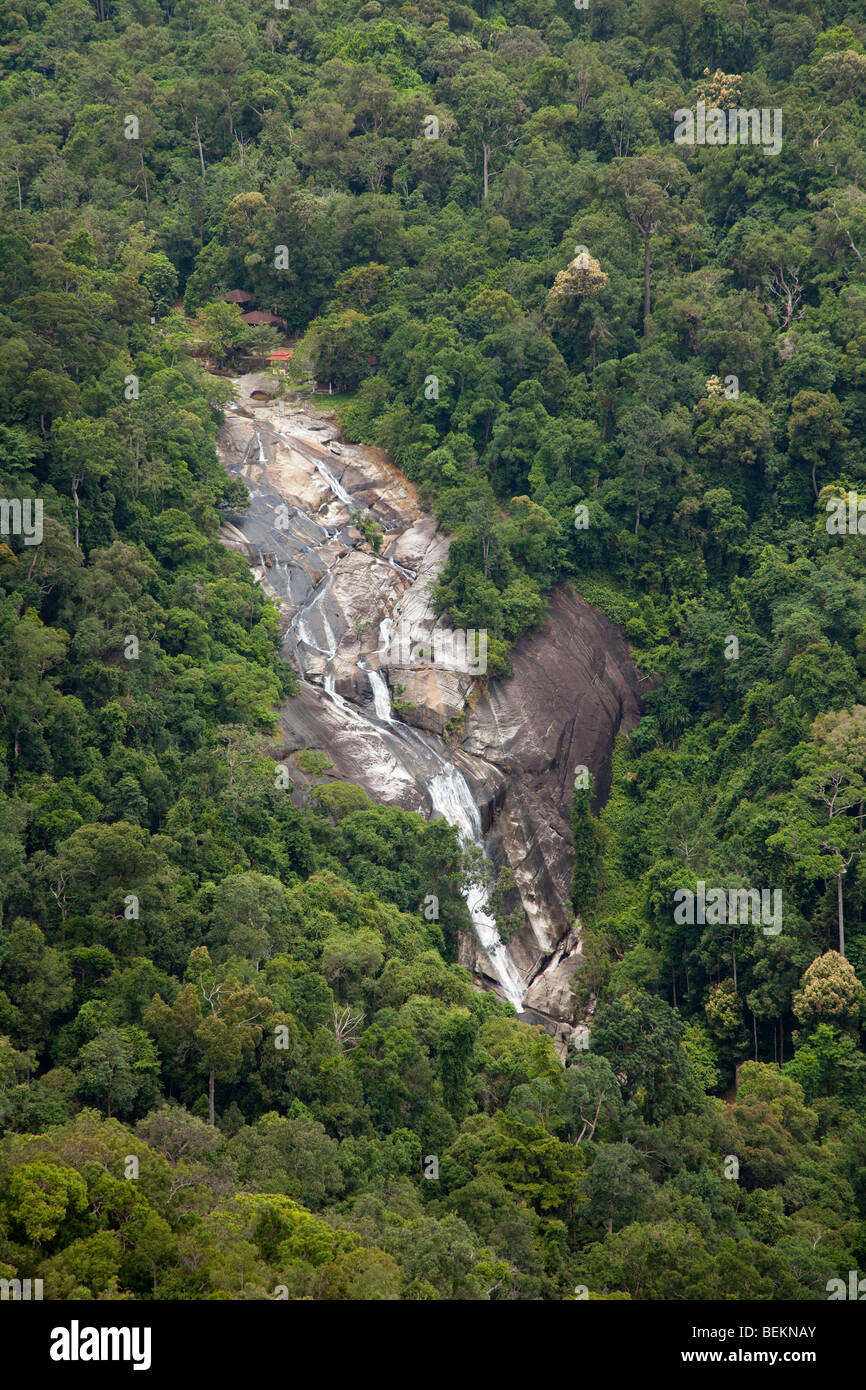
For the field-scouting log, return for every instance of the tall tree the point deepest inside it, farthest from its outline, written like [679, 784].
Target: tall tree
[646, 183]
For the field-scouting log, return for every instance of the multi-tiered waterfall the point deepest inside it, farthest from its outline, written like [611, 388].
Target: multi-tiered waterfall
[284, 555]
[499, 764]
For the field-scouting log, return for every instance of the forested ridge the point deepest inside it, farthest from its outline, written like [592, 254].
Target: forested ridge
[231, 1041]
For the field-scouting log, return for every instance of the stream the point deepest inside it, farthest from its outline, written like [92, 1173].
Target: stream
[412, 726]
[298, 529]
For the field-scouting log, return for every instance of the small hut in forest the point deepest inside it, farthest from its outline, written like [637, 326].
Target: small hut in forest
[237, 297]
[259, 316]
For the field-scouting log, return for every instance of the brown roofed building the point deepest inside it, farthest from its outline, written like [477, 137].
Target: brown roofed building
[259, 316]
[237, 297]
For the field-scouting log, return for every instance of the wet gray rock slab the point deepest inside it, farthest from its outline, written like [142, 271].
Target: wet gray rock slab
[520, 740]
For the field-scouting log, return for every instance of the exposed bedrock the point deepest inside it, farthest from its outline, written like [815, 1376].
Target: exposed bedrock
[574, 688]
[504, 767]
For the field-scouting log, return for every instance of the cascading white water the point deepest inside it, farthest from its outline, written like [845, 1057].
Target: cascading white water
[301, 629]
[450, 795]
[329, 634]
[449, 792]
[303, 634]
[337, 489]
[353, 715]
[381, 698]
[384, 635]
[392, 565]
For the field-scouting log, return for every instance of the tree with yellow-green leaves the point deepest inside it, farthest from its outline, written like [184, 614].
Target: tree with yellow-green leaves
[583, 278]
[830, 992]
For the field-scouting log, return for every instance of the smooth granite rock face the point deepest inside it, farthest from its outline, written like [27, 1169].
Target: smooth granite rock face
[574, 688]
[391, 717]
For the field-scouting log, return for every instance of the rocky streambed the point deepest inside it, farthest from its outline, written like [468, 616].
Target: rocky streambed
[503, 768]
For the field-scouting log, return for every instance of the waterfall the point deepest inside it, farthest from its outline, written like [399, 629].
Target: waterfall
[392, 565]
[350, 712]
[300, 628]
[452, 798]
[381, 698]
[329, 634]
[384, 635]
[335, 487]
[448, 791]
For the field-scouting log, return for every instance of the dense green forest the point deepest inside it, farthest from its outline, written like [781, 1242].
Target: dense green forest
[230, 1041]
